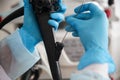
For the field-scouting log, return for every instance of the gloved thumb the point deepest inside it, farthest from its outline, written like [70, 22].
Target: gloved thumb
[84, 16]
[71, 20]
[92, 7]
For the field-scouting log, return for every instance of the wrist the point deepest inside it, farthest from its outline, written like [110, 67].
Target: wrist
[101, 69]
[97, 56]
[28, 41]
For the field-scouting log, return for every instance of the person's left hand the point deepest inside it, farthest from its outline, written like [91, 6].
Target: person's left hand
[90, 24]
[30, 27]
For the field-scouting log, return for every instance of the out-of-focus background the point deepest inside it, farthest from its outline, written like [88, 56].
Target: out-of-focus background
[73, 48]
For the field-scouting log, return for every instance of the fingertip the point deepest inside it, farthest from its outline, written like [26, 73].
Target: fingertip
[53, 23]
[62, 8]
[57, 16]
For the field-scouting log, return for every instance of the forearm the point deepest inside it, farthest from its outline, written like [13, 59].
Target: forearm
[14, 55]
[92, 72]
[3, 75]
[101, 69]
[28, 40]
[87, 75]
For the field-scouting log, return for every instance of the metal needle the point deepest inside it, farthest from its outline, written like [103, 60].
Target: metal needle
[77, 14]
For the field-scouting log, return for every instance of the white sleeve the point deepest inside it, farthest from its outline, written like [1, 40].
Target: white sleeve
[92, 72]
[14, 57]
[87, 75]
[3, 75]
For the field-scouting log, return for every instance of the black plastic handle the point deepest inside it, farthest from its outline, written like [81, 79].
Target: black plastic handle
[49, 42]
[19, 12]
[42, 9]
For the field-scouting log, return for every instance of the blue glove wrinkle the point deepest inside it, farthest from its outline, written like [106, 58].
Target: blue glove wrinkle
[88, 7]
[96, 56]
[28, 41]
[93, 32]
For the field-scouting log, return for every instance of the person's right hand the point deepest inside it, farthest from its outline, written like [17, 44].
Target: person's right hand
[92, 28]
[29, 32]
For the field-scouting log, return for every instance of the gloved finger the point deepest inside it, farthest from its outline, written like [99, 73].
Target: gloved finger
[71, 20]
[62, 8]
[57, 16]
[53, 23]
[27, 3]
[69, 28]
[75, 34]
[84, 16]
[93, 8]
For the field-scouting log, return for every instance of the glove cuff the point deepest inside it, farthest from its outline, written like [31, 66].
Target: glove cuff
[99, 56]
[28, 41]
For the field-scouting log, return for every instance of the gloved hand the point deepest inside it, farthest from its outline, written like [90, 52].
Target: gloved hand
[92, 28]
[29, 32]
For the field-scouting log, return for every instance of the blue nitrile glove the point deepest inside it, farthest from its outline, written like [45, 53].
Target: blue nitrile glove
[29, 32]
[92, 28]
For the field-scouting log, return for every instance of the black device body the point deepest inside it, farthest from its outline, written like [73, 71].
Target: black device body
[42, 10]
